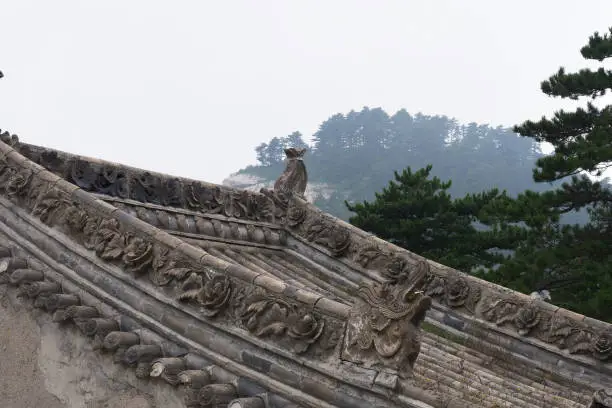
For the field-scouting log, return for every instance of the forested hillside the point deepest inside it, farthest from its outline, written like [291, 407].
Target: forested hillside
[354, 155]
[478, 198]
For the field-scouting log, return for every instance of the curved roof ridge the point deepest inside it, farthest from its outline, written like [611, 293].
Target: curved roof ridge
[272, 284]
[498, 308]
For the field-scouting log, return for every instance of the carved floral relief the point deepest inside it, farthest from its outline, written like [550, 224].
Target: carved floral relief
[140, 256]
[167, 267]
[601, 346]
[395, 268]
[288, 323]
[334, 238]
[453, 290]
[213, 295]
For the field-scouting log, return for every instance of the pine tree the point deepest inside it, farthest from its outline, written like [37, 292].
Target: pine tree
[572, 262]
[417, 213]
[582, 139]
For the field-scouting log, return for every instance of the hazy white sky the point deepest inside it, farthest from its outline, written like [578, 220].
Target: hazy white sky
[191, 87]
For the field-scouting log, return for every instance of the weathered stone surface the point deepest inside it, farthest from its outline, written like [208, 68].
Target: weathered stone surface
[45, 366]
[384, 325]
[602, 399]
[260, 317]
[294, 178]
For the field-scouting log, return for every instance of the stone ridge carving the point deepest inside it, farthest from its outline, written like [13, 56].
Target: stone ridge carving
[269, 316]
[127, 183]
[602, 399]
[211, 227]
[212, 294]
[215, 296]
[384, 325]
[295, 178]
[153, 359]
[8, 138]
[447, 287]
[453, 290]
[528, 317]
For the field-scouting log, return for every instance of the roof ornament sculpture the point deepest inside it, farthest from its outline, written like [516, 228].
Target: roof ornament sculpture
[601, 399]
[8, 138]
[384, 325]
[294, 178]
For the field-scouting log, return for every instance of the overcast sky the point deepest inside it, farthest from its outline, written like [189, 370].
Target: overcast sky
[191, 87]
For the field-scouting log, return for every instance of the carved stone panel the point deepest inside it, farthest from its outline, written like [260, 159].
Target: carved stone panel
[289, 324]
[120, 181]
[280, 320]
[602, 399]
[384, 326]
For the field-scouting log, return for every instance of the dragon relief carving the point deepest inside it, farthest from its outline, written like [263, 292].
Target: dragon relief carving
[384, 325]
[110, 180]
[202, 198]
[288, 323]
[230, 203]
[147, 187]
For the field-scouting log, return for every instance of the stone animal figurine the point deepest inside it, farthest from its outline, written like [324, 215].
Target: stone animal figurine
[294, 178]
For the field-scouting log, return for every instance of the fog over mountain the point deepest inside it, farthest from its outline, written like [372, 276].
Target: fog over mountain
[354, 155]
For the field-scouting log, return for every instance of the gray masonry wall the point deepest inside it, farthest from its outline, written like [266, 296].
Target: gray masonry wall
[44, 366]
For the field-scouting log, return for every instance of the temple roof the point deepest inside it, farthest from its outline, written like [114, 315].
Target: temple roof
[280, 287]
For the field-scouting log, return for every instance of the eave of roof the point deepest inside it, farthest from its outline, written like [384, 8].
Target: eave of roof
[464, 304]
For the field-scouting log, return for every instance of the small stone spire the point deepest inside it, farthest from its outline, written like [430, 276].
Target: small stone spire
[294, 178]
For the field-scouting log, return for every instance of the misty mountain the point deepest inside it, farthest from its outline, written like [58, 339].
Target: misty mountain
[354, 155]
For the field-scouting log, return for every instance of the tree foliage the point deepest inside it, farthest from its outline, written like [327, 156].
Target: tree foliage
[273, 152]
[573, 261]
[356, 153]
[507, 216]
[416, 212]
